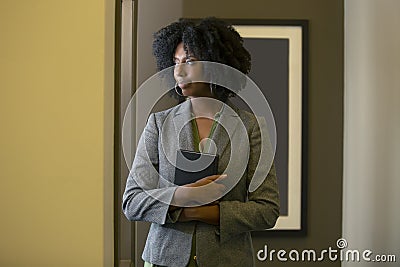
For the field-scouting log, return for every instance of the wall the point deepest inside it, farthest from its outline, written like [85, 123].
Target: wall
[152, 16]
[56, 114]
[325, 103]
[372, 127]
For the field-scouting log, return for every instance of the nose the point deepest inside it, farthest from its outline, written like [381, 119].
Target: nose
[180, 70]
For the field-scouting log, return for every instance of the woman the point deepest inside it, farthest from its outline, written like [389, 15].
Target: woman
[215, 231]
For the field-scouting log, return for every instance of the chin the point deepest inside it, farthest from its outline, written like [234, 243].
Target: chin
[186, 92]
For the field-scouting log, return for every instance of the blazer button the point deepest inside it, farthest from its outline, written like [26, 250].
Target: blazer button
[195, 257]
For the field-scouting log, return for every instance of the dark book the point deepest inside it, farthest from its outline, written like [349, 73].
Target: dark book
[192, 166]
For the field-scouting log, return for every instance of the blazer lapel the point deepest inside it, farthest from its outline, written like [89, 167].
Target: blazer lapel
[183, 126]
[227, 123]
[226, 127]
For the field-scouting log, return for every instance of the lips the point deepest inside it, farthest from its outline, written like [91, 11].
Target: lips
[183, 84]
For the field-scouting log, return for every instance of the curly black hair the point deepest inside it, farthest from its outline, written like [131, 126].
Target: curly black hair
[209, 39]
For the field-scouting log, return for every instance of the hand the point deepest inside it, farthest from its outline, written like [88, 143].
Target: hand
[207, 214]
[206, 190]
[207, 180]
[202, 192]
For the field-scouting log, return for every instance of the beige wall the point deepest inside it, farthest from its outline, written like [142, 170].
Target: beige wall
[371, 215]
[56, 114]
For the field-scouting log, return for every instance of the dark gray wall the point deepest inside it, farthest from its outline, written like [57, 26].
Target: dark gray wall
[152, 15]
[325, 119]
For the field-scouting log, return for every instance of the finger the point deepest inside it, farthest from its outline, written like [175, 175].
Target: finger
[221, 178]
[212, 177]
[221, 187]
[216, 178]
[216, 202]
[200, 182]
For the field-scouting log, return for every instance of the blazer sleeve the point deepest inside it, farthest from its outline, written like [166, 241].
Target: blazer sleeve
[261, 209]
[143, 200]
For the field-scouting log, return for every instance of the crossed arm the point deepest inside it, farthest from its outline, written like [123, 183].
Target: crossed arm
[208, 213]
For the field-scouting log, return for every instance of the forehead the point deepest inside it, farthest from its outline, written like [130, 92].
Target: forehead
[180, 51]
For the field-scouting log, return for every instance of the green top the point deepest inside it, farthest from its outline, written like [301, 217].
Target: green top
[196, 135]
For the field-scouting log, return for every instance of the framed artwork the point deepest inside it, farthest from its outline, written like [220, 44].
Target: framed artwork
[279, 52]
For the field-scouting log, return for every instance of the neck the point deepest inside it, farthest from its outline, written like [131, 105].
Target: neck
[205, 106]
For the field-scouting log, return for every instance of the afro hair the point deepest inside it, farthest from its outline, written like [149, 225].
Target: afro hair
[209, 39]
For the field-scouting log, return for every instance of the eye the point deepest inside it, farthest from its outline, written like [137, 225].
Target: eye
[190, 61]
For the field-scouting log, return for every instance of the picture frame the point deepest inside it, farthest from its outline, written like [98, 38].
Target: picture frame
[279, 51]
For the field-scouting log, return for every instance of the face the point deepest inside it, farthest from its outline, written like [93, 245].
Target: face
[187, 71]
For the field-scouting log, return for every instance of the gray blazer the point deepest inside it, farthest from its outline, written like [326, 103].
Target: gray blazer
[149, 192]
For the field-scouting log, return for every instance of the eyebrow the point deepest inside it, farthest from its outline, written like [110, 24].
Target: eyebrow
[187, 57]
